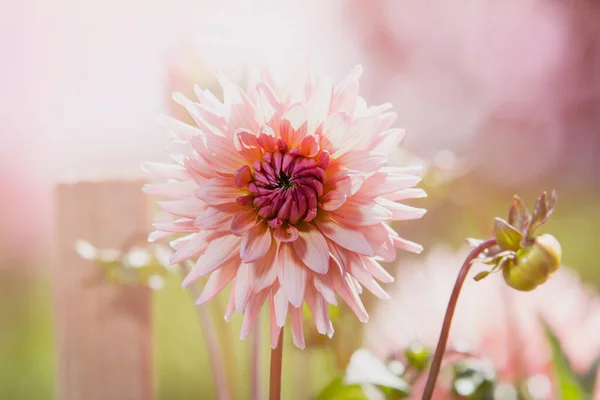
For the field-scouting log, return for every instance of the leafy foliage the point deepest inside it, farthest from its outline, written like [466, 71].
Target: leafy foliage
[366, 374]
[570, 385]
[474, 379]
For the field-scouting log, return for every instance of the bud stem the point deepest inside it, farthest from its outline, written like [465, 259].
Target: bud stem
[443, 340]
[276, 364]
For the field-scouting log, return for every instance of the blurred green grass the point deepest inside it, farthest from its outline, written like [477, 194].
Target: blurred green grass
[182, 370]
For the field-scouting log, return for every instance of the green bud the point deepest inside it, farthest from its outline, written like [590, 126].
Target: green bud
[418, 355]
[533, 264]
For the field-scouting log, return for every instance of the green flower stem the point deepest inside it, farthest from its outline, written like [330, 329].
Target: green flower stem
[434, 370]
[214, 353]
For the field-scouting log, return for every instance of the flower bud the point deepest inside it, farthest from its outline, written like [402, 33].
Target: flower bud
[533, 264]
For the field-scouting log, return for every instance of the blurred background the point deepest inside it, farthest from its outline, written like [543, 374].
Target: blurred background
[496, 97]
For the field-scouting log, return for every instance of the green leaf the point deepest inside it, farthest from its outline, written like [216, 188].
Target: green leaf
[544, 206]
[393, 394]
[518, 215]
[539, 213]
[474, 379]
[339, 391]
[481, 275]
[508, 237]
[570, 387]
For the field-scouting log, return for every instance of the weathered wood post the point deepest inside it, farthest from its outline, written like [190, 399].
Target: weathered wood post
[104, 331]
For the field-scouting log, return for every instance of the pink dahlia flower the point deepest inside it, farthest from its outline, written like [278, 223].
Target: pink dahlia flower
[492, 321]
[284, 192]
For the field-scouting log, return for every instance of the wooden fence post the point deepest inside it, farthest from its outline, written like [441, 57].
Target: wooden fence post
[104, 331]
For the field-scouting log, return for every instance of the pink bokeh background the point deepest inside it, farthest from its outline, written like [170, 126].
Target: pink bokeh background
[83, 82]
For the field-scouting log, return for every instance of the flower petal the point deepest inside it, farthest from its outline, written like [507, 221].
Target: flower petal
[217, 281]
[401, 212]
[382, 183]
[244, 281]
[349, 238]
[324, 286]
[320, 104]
[252, 312]
[281, 307]
[312, 248]
[218, 252]
[170, 171]
[364, 277]
[286, 233]
[296, 324]
[335, 128]
[215, 217]
[346, 289]
[292, 274]
[332, 200]
[318, 309]
[362, 212]
[256, 242]
[230, 303]
[275, 330]
[346, 92]
[296, 116]
[217, 191]
[183, 225]
[377, 270]
[171, 189]
[242, 221]
[381, 242]
[412, 193]
[187, 208]
[194, 247]
[407, 245]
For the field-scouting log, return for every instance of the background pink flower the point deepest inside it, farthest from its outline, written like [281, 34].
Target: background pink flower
[492, 320]
[284, 191]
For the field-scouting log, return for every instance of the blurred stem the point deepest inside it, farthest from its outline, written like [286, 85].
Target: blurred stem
[255, 361]
[443, 340]
[216, 308]
[302, 381]
[276, 364]
[214, 354]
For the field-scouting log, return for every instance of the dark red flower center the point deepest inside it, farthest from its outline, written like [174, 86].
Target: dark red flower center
[284, 186]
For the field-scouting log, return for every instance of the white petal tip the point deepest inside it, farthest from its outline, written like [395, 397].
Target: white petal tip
[179, 98]
[188, 281]
[200, 301]
[296, 304]
[301, 346]
[85, 250]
